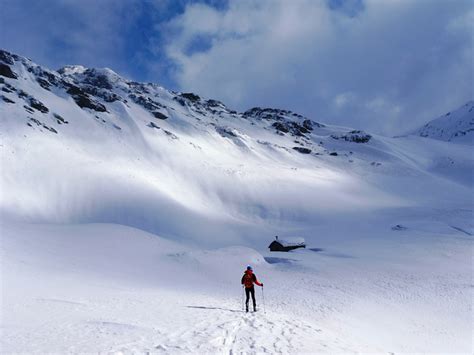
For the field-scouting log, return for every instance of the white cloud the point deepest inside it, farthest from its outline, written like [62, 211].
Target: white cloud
[344, 99]
[395, 64]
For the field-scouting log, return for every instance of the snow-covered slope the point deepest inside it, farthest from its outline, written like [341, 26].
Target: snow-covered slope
[456, 126]
[85, 145]
[88, 156]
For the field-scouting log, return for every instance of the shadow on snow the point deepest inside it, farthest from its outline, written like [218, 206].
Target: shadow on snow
[274, 260]
[216, 308]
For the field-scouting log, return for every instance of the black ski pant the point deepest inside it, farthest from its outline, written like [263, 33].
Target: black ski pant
[250, 291]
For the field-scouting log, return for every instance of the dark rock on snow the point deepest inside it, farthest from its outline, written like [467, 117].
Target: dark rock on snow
[6, 57]
[41, 124]
[146, 103]
[159, 115]
[45, 84]
[355, 136]
[153, 125]
[97, 80]
[59, 119]
[6, 71]
[190, 96]
[399, 227]
[28, 109]
[302, 150]
[38, 105]
[294, 128]
[225, 132]
[83, 100]
[7, 100]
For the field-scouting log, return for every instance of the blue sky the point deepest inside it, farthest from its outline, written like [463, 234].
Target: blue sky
[126, 35]
[383, 65]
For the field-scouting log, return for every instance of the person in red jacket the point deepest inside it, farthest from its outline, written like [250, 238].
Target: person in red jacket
[247, 281]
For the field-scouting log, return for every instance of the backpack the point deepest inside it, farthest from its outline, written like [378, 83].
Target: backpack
[248, 280]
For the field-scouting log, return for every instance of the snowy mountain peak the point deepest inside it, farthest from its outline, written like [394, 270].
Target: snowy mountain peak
[456, 126]
[71, 70]
[98, 91]
[103, 78]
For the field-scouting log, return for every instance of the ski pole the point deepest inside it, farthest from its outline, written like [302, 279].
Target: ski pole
[263, 299]
[242, 298]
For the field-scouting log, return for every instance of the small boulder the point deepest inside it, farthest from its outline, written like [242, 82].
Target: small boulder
[159, 115]
[302, 150]
[153, 125]
[399, 227]
[170, 134]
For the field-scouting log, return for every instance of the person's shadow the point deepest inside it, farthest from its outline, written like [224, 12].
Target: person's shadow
[216, 308]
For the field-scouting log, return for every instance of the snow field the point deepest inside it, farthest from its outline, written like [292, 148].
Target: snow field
[110, 288]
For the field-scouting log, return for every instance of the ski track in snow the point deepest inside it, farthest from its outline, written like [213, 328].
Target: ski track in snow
[236, 332]
[223, 331]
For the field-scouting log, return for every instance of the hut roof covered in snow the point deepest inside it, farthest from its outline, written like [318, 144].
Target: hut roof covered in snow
[286, 244]
[291, 241]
